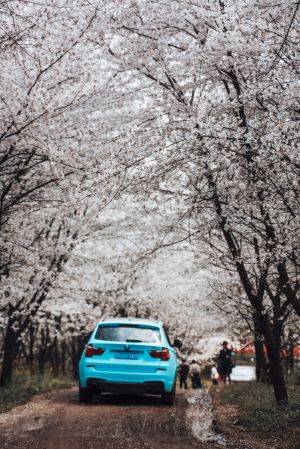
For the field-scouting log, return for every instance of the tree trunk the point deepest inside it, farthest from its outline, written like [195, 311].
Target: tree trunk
[9, 353]
[76, 350]
[31, 347]
[260, 358]
[291, 358]
[276, 373]
[54, 359]
[63, 357]
[260, 361]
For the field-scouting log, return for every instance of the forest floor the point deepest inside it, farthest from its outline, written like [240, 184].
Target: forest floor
[56, 420]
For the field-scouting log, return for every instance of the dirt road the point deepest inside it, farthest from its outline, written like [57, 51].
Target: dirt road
[57, 420]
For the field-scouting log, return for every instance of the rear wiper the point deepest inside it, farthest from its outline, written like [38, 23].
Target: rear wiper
[134, 341]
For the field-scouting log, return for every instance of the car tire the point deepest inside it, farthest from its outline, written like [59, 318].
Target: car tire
[168, 398]
[85, 395]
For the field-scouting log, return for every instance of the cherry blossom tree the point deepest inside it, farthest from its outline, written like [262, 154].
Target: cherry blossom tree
[55, 162]
[221, 81]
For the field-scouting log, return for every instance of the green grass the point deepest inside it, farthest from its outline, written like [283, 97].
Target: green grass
[258, 407]
[25, 385]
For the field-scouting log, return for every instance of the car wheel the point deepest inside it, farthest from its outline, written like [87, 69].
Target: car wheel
[85, 395]
[168, 398]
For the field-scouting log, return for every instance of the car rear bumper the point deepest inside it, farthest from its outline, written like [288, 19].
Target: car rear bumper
[148, 387]
[160, 376]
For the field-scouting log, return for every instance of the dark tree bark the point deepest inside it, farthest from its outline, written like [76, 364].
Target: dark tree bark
[9, 349]
[63, 357]
[291, 357]
[260, 358]
[54, 357]
[45, 350]
[31, 345]
[260, 369]
[277, 375]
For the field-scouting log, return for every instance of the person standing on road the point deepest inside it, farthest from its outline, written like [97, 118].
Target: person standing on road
[195, 374]
[225, 363]
[183, 373]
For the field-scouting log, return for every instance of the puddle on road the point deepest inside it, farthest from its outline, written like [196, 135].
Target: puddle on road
[199, 418]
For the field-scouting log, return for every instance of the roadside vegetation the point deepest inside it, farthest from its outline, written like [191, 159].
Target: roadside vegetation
[25, 385]
[257, 409]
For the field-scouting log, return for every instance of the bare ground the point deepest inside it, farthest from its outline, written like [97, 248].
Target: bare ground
[56, 420]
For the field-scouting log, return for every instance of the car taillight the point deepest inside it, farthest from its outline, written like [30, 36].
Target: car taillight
[162, 354]
[93, 350]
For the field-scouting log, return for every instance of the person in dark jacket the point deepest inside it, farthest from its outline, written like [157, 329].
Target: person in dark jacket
[225, 359]
[183, 373]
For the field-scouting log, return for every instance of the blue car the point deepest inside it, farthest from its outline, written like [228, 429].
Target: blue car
[129, 355]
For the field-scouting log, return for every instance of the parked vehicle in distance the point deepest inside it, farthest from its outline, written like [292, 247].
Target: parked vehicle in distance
[129, 355]
[242, 373]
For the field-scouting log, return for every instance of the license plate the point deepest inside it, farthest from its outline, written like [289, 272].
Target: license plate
[126, 355]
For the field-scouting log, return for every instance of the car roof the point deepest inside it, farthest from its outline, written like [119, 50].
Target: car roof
[130, 320]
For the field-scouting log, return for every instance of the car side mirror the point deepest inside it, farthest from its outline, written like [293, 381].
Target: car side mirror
[177, 343]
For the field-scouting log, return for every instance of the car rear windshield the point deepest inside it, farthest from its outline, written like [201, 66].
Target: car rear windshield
[128, 333]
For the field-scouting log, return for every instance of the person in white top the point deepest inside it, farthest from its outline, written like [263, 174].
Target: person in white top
[214, 375]
[195, 372]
